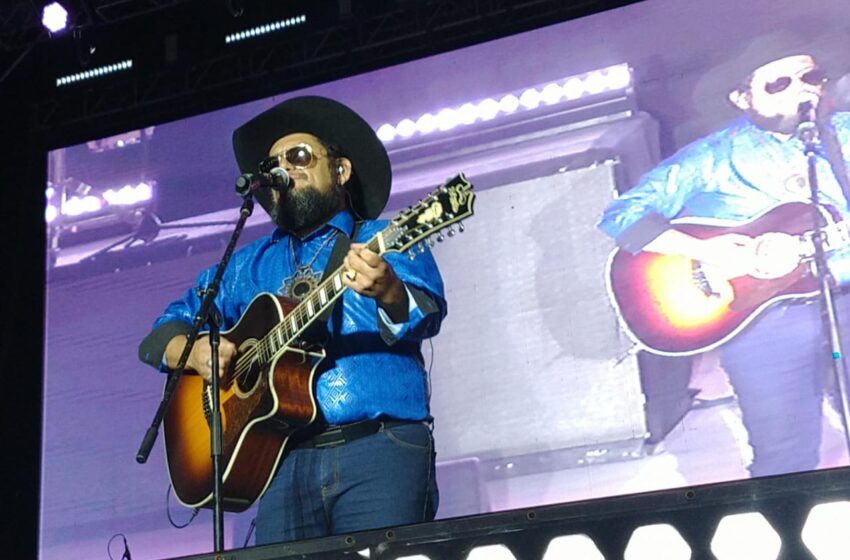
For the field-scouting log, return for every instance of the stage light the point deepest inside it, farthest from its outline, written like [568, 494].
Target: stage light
[572, 546]
[78, 205]
[54, 17]
[95, 72]
[551, 94]
[825, 531]
[447, 119]
[467, 114]
[406, 128]
[491, 552]
[657, 541]
[128, 195]
[386, 132]
[426, 124]
[612, 79]
[745, 536]
[530, 98]
[573, 88]
[488, 109]
[265, 29]
[414, 557]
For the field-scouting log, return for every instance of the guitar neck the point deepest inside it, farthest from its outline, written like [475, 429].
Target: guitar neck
[311, 308]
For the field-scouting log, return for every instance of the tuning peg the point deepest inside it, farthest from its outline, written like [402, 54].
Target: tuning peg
[421, 247]
[440, 238]
[430, 241]
[411, 255]
[451, 232]
[460, 227]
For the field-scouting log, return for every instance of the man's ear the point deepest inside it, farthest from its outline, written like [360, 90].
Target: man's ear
[740, 99]
[343, 170]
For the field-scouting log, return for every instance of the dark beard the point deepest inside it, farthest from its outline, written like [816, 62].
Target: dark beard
[306, 207]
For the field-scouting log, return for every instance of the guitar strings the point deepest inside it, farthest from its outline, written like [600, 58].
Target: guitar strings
[280, 331]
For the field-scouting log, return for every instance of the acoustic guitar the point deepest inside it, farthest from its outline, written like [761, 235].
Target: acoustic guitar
[267, 396]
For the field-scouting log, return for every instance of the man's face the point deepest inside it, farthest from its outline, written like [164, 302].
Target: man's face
[315, 191]
[776, 91]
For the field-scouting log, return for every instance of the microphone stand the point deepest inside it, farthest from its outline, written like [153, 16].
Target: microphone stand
[808, 132]
[208, 313]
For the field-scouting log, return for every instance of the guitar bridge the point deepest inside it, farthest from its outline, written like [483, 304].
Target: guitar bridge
[701, 280]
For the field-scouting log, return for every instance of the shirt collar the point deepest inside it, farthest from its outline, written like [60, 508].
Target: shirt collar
[342, 221]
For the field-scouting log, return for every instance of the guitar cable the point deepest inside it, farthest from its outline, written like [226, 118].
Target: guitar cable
[195, 512]
[250, 532]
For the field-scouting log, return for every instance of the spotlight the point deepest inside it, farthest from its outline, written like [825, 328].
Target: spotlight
[54, 17]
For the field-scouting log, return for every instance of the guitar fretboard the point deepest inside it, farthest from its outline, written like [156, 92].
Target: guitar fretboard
[302, 316]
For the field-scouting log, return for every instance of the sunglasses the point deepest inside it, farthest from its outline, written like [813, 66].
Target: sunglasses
[814, 77]
[299, 156]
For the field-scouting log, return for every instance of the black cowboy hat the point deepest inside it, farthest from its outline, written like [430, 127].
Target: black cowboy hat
[331, 122]
[712, 90]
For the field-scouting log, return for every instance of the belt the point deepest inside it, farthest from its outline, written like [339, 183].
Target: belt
[332, 435]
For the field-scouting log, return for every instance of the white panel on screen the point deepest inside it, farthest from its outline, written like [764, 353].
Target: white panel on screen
[529, 359]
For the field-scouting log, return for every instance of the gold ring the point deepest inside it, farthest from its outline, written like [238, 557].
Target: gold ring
[351, 274]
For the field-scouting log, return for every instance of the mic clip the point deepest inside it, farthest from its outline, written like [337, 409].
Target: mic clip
[807, 129]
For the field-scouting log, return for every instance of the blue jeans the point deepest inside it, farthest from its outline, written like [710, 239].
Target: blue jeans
[382, 480]
[778, 367]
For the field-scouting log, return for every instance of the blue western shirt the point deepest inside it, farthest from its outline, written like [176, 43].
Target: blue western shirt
[372, 369]
[736, 174]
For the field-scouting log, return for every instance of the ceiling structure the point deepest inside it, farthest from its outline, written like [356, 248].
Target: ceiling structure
[182, 65]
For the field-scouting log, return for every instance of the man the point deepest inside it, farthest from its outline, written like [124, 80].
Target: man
[372, 463]
[778, 364]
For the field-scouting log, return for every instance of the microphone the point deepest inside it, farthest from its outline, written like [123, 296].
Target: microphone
[277, 179]
[807, 129]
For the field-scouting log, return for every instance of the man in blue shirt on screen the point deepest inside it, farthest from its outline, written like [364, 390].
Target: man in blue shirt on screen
[370, 462]
[778, 364]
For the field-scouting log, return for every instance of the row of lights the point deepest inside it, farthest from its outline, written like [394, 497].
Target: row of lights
[744, 536]
[128, 195]
[95, 72]
[264, 29]
[613, 78]
[55, 18]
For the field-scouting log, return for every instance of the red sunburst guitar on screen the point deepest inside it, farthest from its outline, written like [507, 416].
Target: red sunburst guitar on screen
[673, 305]
[267, 394]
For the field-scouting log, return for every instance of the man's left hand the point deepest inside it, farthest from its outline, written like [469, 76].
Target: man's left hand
[368, 274]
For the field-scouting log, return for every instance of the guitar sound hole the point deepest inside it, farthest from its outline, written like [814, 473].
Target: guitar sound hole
[247, 381]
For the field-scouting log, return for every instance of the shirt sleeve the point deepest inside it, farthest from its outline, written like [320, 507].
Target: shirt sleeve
[179, 316]
[644, 212]
[426, 300]
[391, 331]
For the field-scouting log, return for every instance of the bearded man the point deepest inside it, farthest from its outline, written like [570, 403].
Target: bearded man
[778, 364]
[369, 460]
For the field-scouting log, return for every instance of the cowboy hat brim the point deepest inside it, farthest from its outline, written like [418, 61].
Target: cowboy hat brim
[331, 122]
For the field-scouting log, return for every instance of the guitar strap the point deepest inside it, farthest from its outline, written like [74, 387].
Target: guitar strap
[341, 246]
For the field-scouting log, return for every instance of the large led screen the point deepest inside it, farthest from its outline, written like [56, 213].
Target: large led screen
[633, 306]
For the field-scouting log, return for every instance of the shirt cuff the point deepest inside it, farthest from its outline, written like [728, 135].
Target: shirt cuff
[639, 234]
[391, 332]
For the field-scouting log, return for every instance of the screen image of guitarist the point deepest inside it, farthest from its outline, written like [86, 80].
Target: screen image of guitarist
[714, 248]
[326, 417]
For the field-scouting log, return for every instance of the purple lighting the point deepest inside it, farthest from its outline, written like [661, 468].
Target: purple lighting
[54, 17]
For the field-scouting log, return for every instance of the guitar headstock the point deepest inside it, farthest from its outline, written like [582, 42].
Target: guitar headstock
[440, 210]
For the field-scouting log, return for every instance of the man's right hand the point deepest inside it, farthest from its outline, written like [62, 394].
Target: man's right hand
[200, 358]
